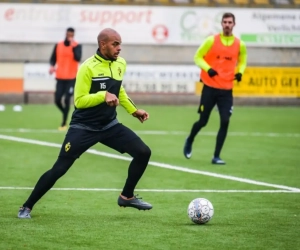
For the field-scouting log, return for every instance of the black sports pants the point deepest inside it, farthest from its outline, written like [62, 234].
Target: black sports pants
[64, 88]
[224, 101]
[77, 141]
[211, 97]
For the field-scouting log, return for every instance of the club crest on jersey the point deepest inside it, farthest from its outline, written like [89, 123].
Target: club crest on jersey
[67, 146]
[119, 71]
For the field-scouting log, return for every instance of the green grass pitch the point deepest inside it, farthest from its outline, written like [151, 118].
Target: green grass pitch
[256, 196]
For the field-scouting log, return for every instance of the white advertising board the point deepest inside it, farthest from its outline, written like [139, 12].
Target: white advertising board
[37, 78]
[168, 79]
[146, 25]
[161, 79]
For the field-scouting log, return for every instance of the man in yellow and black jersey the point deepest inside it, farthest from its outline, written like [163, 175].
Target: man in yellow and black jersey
[98, 91]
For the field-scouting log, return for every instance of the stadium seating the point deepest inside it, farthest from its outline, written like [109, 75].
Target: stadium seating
[141, 1]
[162, 2]
[259, 3]
[120, 1]
[201, 2]
[241, 2]
[216, 3]
[283, 3]
[222, 2]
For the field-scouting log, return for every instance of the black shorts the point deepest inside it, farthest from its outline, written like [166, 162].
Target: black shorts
[64, 87]
[220, 97]
[77, 141]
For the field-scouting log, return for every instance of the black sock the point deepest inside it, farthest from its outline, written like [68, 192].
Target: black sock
[221, 137]
[48, 179]
[141, 155]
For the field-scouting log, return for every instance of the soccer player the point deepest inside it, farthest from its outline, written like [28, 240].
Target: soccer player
[64, 62]
[218, 57]
[98, 91]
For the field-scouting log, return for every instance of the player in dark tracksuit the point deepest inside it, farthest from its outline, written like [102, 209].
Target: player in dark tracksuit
[98, 90]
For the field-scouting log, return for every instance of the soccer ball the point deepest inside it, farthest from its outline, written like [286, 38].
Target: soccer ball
[200, 210]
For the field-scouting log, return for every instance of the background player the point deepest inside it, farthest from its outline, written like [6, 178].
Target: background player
[217, 57]
[64, 62]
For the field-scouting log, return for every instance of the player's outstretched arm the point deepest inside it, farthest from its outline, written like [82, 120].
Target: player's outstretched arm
[82, 97]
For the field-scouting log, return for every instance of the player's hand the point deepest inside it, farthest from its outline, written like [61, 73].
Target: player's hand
[72, 43]
[142, 115]
[51, 70]
[111, 99]
[238, 77]
[211, 72]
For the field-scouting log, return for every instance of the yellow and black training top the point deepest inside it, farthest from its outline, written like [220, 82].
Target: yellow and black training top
[94, 78]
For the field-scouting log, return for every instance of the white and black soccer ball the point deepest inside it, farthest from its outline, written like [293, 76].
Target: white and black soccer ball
[200, 210]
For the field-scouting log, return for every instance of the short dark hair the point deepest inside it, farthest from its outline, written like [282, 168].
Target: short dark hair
[70, 30]
[228, 14]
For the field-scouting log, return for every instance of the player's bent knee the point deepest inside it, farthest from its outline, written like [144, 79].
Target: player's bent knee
[57, 101]
[144, 152]
[67, 99]
[202, 122]
[62, 165]
[137, 149]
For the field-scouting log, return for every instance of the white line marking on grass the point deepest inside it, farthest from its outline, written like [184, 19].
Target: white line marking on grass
[157, 190]
[158, 132]
[156, 164]
[28, 130]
